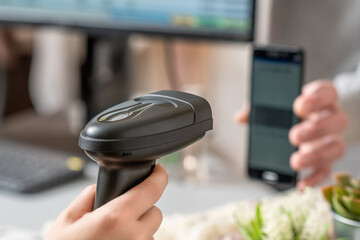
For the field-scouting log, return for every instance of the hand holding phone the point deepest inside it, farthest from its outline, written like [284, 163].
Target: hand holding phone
[319, 135]
[277, 77]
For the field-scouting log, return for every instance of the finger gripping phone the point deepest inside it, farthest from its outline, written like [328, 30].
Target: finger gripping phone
[276, 81]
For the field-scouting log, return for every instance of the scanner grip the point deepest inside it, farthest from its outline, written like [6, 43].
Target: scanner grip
[114, 181]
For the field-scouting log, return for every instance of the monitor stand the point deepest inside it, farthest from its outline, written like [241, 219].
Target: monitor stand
[105, 73]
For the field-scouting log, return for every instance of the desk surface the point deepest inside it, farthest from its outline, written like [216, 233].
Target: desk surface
[31, 211]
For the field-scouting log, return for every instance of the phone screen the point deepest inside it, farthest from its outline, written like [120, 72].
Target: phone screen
[276, 82]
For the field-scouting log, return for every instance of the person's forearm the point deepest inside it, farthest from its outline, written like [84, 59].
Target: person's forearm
[348, 86]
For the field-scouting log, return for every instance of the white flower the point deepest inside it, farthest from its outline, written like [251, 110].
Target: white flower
[277, 225]
[305, 213]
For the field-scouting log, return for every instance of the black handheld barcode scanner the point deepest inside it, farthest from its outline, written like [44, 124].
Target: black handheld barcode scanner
[126, 140]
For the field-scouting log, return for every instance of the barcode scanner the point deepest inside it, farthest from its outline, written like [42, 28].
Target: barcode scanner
[125, 140]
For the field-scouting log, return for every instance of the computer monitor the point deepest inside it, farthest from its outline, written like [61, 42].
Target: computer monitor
[210, 19]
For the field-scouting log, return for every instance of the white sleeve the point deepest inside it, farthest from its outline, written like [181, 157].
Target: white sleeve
[348, 87]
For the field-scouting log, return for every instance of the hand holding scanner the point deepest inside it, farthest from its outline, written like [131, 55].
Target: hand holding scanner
[126, 139]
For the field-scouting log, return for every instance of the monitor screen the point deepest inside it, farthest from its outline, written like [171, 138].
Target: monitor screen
[223, 19]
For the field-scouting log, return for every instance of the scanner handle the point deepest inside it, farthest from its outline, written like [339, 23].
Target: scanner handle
[114, 181]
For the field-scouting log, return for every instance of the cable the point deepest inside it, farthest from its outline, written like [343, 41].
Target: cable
[170, 64]
[3, 91]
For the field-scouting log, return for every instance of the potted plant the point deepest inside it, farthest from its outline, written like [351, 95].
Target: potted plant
[344, 198]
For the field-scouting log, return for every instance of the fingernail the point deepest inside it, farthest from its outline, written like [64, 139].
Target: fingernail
[160, 165]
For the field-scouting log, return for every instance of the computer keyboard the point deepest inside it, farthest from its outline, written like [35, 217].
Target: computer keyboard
[26, 168]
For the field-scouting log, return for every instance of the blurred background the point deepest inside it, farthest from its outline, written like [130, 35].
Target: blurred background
[63, 62]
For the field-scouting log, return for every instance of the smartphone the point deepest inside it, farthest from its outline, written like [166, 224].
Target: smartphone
[276, 81]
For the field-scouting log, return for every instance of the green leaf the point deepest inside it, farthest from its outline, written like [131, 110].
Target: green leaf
[327, 192]
[342, 179]
[244, 230]
[293, 228]
[339, 208]
[256, 230]
[345, 179]
[351, 204]
[259, 215]
[340, 191]
[352, 192]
